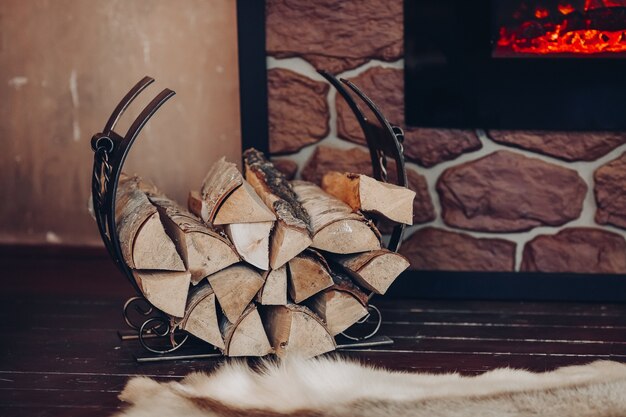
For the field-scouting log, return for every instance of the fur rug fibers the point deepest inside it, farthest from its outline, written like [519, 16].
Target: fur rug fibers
[340, 388]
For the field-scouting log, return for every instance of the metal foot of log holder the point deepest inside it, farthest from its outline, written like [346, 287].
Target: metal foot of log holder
[146, 322]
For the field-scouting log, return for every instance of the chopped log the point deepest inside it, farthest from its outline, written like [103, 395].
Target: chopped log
[234, 288]
[246, 336]
[227, 198]
[203, 250]
[336, 228]
[221, 180]
[274, 291]
[308, 275]
[143, 240]
[341, 305]
[166, 290]
[243, 206]
[294, 329]
[201, 316]
[252, 241]
[366, 194]
[375, 270]
[292, 232]
[286, 242]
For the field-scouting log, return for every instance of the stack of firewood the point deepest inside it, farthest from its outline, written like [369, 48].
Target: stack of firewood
[259, 264]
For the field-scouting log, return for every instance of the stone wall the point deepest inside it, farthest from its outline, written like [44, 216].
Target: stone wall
[486, 200]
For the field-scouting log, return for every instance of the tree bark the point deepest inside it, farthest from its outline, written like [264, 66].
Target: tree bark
[246, 336]
[294, 329]
[375, 270]
[363, 193]
[235, 287]
[201, 316]
[292, 233]
[308, 275]
[336, 228]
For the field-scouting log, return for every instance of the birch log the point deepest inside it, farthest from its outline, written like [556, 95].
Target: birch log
[245, 336]
[227, 198]
[143, 240]
[308, 275]
[363, 193]
[341, 305]
[336, 228]
[252, 241]
[203, 250]
[166, 290]
[201, 316]
[375, 270]
[274, 291]
[292, 233]
[235, 287]
[294, 329]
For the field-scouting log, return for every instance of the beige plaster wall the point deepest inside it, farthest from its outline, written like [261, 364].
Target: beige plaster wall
[64, 64]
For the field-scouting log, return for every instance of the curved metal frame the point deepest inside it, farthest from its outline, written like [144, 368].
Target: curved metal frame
[384, 141]
[110, 152]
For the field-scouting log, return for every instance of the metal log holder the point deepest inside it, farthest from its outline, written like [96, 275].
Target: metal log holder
[146, 322]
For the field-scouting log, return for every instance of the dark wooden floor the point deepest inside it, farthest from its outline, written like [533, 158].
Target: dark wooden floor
[60, 354]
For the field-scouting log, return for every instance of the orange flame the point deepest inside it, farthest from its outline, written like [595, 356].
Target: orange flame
[589, 41]
[541, 13]
[566, 8]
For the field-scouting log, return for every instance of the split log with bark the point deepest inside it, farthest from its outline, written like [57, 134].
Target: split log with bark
[166, 290]
[143, 240]
[235, 287]
[252, 242]
[292, 232]
[203, 250]
[227, 198]
[274, 291]
[295, 329]
[341, 305]
[375, 270]
[363, 193]
[336, 228]
[308, 275]
[245, 336]
[201, 319]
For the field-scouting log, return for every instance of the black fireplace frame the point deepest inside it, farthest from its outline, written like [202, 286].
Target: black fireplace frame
[412, 284]
[453, 81]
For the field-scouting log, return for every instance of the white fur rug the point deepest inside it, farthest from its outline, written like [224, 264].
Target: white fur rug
[336, 387]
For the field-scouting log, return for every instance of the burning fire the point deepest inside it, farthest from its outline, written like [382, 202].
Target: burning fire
[566, 8]
[543, 36]
[588, 41]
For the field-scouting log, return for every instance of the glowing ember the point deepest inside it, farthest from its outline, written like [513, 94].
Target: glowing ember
[541, 13]
[574, 32]
[575, 42]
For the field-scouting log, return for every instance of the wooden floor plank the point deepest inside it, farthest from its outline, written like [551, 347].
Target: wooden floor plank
[60, 354]
[480, 306]
[55, 410]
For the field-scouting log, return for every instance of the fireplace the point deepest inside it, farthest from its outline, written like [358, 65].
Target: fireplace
[516, 64]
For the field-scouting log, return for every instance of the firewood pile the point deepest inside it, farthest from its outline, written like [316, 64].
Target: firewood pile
[258, 264]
